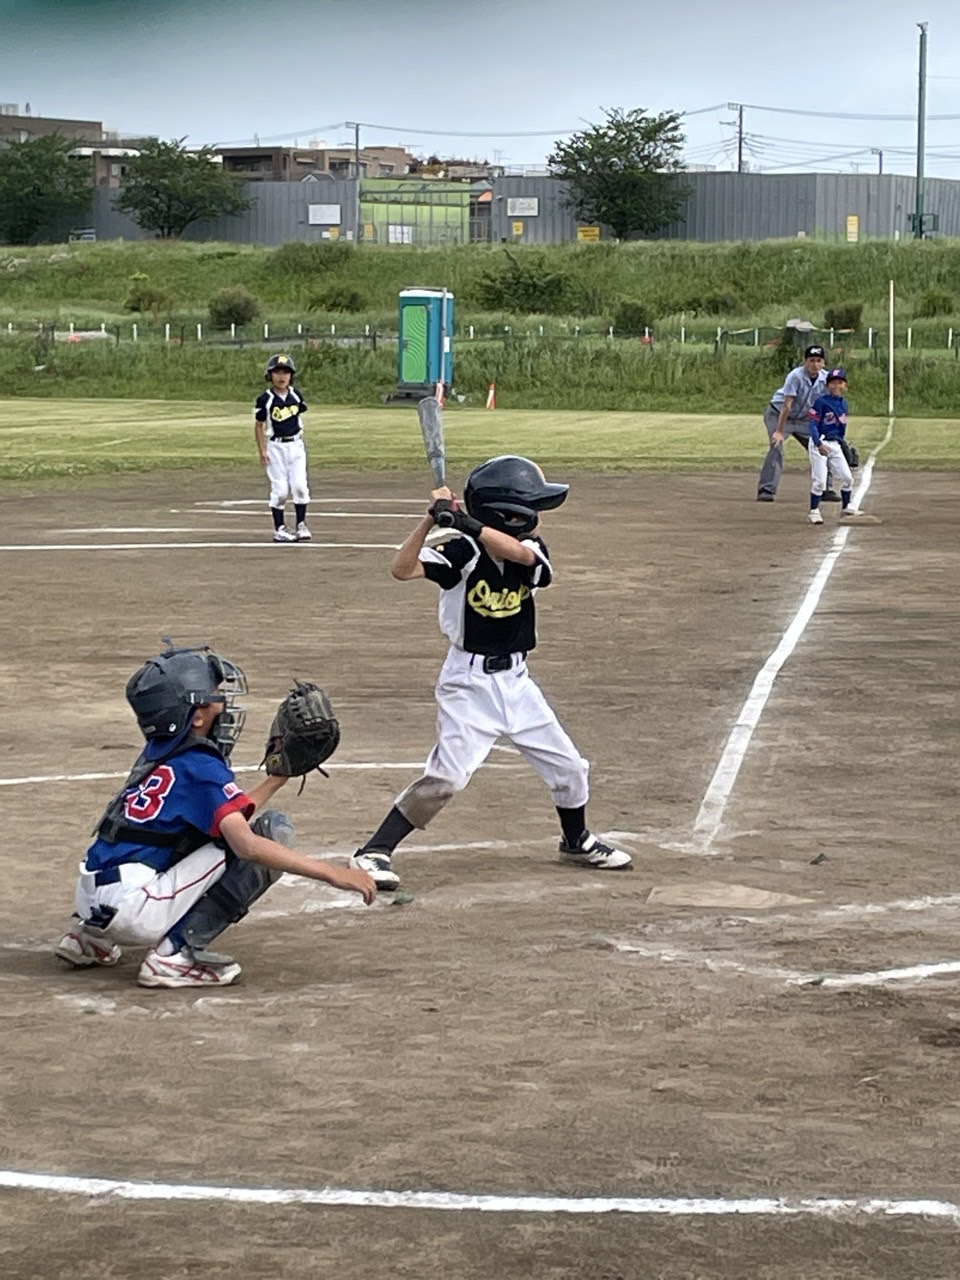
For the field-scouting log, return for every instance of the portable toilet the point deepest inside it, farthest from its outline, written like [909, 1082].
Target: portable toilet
[425, 355]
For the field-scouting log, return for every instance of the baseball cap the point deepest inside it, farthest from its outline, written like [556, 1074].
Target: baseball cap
[836, 375]
[814, 351]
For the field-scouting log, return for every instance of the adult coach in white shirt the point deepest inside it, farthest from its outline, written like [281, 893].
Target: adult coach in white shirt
[788, 414]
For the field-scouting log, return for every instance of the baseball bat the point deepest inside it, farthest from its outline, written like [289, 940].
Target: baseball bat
[430, 413]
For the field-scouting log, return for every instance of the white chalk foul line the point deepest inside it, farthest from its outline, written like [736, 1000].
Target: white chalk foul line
[712, 808]
[193, 546]
[670, 1206]
[243, 768]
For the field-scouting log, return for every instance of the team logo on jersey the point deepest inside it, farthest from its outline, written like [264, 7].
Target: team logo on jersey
[144, 802]
[279, 414]
[488, 603]
[230, 790]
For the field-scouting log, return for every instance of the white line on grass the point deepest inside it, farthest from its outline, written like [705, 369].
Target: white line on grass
[669, 1206]
[712, 808]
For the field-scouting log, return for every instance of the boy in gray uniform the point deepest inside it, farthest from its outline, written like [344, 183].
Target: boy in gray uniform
[788, 413]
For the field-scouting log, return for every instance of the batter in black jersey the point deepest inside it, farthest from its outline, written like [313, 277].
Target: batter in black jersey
[488, 577]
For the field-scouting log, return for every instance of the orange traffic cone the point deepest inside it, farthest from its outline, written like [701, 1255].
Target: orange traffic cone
[492, 396]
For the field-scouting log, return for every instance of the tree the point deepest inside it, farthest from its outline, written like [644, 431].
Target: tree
[41, 187]
[623, 172]
[167, 188]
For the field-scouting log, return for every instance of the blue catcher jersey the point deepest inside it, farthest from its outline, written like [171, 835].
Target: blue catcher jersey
[192, 791]
[487, 605]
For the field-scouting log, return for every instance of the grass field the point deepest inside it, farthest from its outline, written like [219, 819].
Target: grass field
[51, 439]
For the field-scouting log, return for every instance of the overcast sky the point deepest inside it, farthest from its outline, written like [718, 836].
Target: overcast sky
[421, 72]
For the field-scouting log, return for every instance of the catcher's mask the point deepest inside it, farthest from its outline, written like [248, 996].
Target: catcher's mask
[167, 690]
[510, 486]
[283, 363]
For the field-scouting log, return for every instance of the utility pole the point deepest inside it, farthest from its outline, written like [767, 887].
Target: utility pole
[738, 107]
[921, 129]
[878, 152]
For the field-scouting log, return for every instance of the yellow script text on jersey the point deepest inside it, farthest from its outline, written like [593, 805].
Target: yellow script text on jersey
[496, 604]
[281, 415]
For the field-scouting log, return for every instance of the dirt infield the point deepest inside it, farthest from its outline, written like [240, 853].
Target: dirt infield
[520, 1028]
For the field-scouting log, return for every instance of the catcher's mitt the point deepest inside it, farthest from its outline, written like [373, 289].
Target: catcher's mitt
[851, 453]
[304, 733]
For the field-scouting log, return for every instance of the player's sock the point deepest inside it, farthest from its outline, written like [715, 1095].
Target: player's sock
[301, 509]
[278, 517]
[394, 828]
[169, 946]
[814, 501]
[845, 496]
[574, 824]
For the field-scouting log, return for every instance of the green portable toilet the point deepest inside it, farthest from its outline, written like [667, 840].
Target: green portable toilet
[425, 355]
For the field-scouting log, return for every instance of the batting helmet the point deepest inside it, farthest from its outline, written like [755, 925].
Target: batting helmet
[509, 492]
[167, 689]
[283, 363]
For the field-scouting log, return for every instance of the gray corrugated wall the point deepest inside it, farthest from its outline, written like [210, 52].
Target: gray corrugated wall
[724, 206]
[279, 214]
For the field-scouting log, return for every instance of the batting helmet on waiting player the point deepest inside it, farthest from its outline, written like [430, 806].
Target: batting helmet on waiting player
[283, 363]
[510, 486]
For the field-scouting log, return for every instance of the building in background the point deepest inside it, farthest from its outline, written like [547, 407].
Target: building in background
[296, 164]
[103, 149]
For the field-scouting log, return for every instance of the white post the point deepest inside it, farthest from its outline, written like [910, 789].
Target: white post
[610, 332]
[233, 330]
[333, 331]
[103, 328]
[870, 337]
[136, 332]
[266, 331]
[366, 330]
[719, 332]
[909, 336]
[890, 360]
[756, 337]
[576, 331]
[9, 326]
[646, 333]
[541, 331]
[471, 331]
[71, 326]
[949, 337]
[831, 339]
[166, 332]
[300, 329]
[199, 332]
[683, 328]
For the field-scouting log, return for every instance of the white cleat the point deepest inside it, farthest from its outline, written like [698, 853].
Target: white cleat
[814, 517]
[303, 533]
[81, 949]
[853, 515]
[187, 969]
[283, 535]
[377, 863]
[595, 855]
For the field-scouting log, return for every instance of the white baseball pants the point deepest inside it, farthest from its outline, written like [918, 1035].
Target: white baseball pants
[287, 471]
[149, 903]
[474, 709]
[833, 463]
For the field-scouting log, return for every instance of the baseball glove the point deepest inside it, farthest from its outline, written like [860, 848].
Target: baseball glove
[304, 733]
[851, 453]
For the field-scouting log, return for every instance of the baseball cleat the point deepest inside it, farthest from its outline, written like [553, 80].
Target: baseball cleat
[814, 517]
[303, 533]
[763, 496]
[81, 950]
[829, 495]
[377, 863]
[187, 969]
[594, 854]
[855, 515]
[283, 535]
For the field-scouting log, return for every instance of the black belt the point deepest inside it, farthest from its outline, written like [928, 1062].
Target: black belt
[499, 661]
[286, 439]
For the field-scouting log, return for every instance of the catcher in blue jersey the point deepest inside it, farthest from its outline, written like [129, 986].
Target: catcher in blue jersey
[176, 859]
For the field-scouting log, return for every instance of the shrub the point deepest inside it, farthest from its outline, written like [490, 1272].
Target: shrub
[144, 296]
[632, 316]
[337, 297]
[935, 303]
[525, 285]
[233, 305]
[843, 315]
[722, 303]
